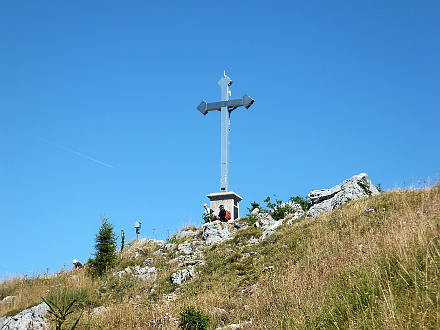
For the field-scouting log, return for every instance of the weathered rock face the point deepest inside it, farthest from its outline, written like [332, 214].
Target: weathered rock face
[264, 220]
[182, 275]
[31, 318]
[142, 273]
[188, 254]
[215, 232]
[356, 187]
[145, 273]
[185, 248]
[268, 224]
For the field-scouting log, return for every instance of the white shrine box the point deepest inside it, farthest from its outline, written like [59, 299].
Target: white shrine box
[229, 199]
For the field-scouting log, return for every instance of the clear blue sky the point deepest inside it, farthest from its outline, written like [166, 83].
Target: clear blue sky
[98, 118]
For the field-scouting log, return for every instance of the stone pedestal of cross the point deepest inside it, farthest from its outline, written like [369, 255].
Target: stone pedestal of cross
[225, 197]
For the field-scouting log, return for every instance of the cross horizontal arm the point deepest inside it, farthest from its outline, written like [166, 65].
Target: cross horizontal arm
[245, 101]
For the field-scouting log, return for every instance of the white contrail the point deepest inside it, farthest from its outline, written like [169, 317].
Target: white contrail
[80, 154]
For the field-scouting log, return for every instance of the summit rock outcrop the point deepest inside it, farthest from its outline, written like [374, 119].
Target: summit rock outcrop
[356, 187]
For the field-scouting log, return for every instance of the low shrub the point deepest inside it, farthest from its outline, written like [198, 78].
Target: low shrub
[302, 201]
[193, 319]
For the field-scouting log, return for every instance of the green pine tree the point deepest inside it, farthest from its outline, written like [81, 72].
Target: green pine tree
[105, 255]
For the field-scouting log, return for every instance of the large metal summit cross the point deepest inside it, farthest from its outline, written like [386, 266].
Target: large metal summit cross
[225, 106]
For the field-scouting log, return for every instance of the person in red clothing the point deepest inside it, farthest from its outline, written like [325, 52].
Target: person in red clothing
[222, 214]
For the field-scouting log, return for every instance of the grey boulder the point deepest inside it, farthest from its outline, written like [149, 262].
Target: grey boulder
[182, 275]
[145, 273]
[185, 248]
[358, 186]
[216, 232]
[31, 318]
[268, 224]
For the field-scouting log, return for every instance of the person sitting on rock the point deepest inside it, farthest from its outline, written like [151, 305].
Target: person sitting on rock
[222, 214]
[77, 264]
[208, 214]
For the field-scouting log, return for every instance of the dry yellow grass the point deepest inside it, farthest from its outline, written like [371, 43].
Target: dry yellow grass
[28, 292]
[345, 269]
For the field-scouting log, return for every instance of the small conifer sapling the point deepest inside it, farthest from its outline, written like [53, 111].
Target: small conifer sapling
[105, 254]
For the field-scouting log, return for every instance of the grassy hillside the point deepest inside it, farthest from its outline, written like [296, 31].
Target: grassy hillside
[349, 268]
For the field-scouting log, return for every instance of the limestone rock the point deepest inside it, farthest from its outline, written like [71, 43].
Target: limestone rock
[155, 241]
[215, 232]
[99, 310]
[31, 318]
[147, 262]
[239, 224]
[268, 224]
[7, 300]
[264, 220]
[185, 248]
[270, 229]
[356, 187]
[123, 272]
[298, 212]
[185, 234]
[143, 273]
[182, 275]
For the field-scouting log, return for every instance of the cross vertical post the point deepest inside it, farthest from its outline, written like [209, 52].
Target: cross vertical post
[224, 83]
